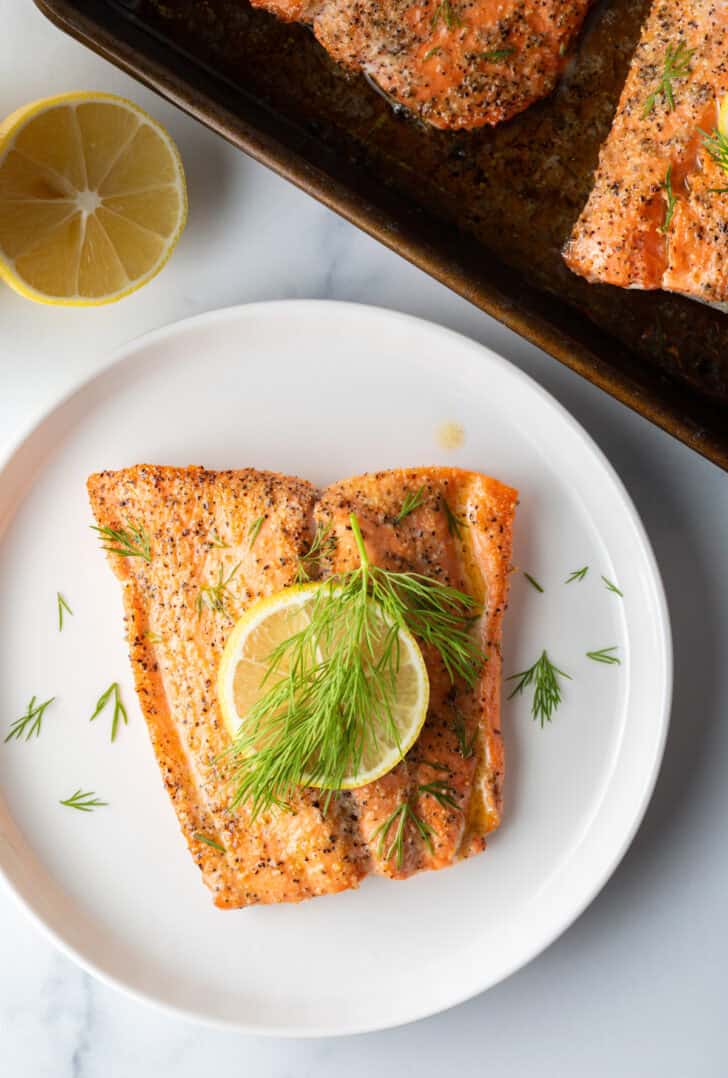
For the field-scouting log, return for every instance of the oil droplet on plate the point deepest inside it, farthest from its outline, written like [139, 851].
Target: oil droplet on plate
[450, 435]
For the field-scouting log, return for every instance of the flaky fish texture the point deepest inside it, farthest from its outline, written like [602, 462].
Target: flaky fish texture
[199, 524]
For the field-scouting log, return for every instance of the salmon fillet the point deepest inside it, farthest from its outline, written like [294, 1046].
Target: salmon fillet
[199, 523]
[656, 217]
[454, 63]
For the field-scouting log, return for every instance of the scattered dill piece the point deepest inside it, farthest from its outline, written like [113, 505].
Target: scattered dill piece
[449, 17]
[535, 583]
[604, 655]
[84, 801]
[578, 574]
[496, 55]
[455, 524]
[215, 540]
[676, 66]
[119, 714]
[326, 712]
[398, 820]
[62, 607]
[210, 842]
[544, 676]
[29, 724]
[153, 638]
[254, 531]
[441, 791]
[411, 502]
[433, 764]
[434, 51]
[322, 546]
[716, 146]
[612, 587]
[466, 747]
[130, 542]
[214, 596]
[666, 186]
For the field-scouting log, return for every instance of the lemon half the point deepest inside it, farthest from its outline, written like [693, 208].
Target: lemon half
[92, 199]
[272, 620]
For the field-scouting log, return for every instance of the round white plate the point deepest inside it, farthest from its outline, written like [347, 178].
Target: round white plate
[324, 391]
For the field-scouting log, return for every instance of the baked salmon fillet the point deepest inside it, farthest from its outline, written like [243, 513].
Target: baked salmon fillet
[453, 63]
[198, 525]
[658, 214]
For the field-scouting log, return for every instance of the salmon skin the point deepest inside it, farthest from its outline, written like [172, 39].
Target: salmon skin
[453, 63]
[199, 525]
[658, 214]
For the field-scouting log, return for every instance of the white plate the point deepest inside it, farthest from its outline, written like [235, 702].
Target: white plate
[321, 390]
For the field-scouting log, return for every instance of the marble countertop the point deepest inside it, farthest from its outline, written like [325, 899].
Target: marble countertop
[636, 987]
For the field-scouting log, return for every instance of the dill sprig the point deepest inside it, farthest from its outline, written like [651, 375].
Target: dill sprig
[119, 714]
[62, 606]
[398, 820]
[214, 596]
[330, 689]
[152, 637]
[535, 583]
[30, 723]
[716, 146]
[466, 747]
[612, 587]
[445, 12]
[412, 500]
[322, 546]
[455, 524]
[84, 801]
[130, 542]
[676, 66]
[442, 792]
[215, 541]
[209, 842]
[254, 531]
[666, 186]
[578, 574]
[496, 55]
[434, 51]
[543, 675]
[604, 655]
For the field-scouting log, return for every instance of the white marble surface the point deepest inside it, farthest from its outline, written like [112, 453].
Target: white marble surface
[637, 986]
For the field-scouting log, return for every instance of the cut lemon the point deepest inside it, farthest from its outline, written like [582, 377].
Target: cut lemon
[92, 199]
[723, 115]
[271, 621]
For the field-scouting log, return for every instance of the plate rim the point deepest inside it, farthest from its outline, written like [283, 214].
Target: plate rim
[114, 361]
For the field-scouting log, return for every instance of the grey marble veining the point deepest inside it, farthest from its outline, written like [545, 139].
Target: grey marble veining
[636, 987]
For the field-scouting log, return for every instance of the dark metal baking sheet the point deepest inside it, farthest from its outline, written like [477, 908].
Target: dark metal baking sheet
[486, 212]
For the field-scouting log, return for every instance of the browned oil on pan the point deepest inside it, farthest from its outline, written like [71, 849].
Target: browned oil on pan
[485, 212]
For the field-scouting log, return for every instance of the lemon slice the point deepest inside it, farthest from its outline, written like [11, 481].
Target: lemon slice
[271, 621]
[92, 199]
[723, 115]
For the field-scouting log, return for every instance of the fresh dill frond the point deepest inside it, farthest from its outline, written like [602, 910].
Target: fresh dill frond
[666, 186]
[434, 51]
[466, 747]
[449, 17]
[214, 596]
[130, 542]
[330, 689]
[153, 638]
[119, 714]
[210, 842]
[412, 501]
[578, 574]
[455, 524]
[716, 146]
[323, 545]
[215, 541]
[254, 531]
[676, 66]
[442, 792]
[604, 655]
[612, 587]
[84, 801]
[544, 676]
[30, 723]
[533, 582]
[404, 814]
[62, 606]
[496, 55]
